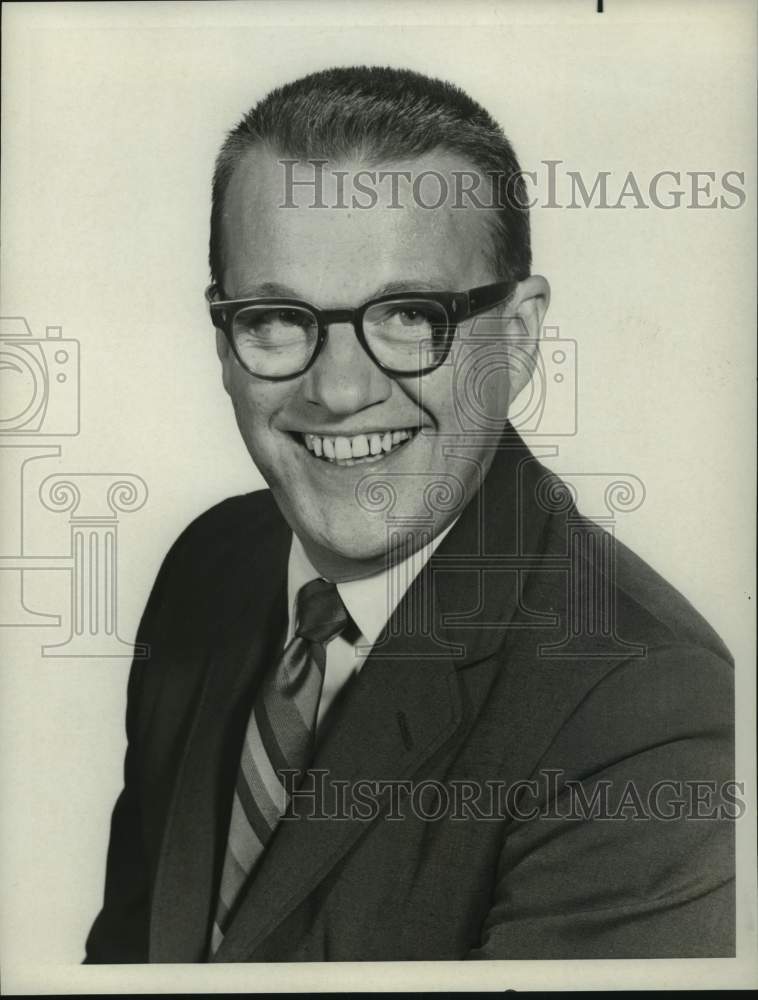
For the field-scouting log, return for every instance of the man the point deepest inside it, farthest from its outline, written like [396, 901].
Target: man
[408, 704]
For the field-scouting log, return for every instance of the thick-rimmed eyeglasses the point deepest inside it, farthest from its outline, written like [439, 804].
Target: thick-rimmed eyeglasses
[406, 334]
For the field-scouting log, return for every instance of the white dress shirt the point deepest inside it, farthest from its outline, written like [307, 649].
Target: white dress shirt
[370, 602]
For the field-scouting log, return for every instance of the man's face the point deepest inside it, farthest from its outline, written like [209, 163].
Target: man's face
[339, 258]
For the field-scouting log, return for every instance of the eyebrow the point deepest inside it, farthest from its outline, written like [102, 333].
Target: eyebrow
[417, 285]
[268, 288]
[276, 289]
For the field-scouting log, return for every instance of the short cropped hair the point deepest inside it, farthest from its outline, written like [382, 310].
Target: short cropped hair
[382, 114]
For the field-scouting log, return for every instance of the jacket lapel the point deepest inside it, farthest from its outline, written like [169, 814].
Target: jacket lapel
[406, 704]
[194, 837]
[398, 714]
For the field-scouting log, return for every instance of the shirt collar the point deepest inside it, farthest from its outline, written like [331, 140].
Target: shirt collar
[371, 600]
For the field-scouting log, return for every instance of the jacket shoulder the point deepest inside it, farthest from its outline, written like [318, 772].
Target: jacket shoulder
[647, 608]
[231, 549]
[233, 527]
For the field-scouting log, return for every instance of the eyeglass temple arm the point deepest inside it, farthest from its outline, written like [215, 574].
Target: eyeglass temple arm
[484, 296]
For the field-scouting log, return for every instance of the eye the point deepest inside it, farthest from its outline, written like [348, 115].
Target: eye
[412, 317]
[287, 317]
[272, 321]
[400, 315]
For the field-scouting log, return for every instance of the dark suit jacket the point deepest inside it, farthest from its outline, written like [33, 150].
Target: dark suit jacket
[498, 667]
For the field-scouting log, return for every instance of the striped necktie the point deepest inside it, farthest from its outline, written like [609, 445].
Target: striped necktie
[280, 735]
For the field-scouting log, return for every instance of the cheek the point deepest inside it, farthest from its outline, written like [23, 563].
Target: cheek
[473, 392]
[254, 406]
[482, 385]
[496, 394]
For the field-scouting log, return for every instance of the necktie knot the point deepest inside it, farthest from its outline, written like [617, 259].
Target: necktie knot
[320, 612]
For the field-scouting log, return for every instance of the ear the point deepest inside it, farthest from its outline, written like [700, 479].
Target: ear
[226, 358]
[526, 311]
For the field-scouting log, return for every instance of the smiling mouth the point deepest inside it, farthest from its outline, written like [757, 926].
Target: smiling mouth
[356, 450]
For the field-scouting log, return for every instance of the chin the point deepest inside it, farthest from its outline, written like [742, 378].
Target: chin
[352, 543]
[360, 552]
[342, 548]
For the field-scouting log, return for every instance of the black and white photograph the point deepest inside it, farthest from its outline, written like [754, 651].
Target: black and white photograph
[377, 546]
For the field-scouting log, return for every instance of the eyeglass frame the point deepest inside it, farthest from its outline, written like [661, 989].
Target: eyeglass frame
[462, 305]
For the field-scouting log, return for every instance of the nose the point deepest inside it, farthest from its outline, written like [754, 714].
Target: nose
[343, 379]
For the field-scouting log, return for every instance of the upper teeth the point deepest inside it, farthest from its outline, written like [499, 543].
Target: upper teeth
[360, 446]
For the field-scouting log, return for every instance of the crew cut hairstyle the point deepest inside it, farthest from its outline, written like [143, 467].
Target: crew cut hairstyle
[383, 114]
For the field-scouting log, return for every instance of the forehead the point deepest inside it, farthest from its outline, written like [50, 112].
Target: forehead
[353, 225]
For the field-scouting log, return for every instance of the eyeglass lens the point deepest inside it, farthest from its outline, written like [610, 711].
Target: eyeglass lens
[276, 341]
